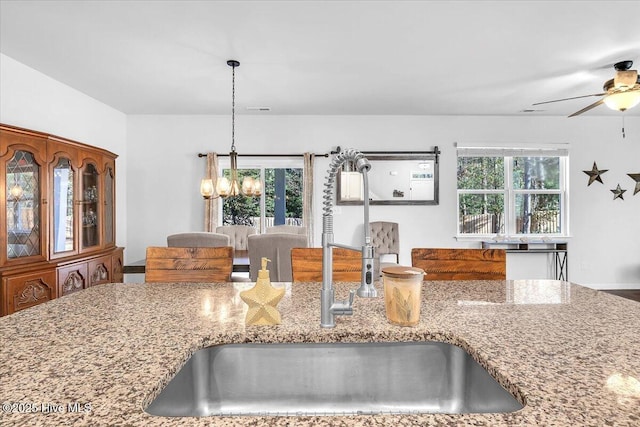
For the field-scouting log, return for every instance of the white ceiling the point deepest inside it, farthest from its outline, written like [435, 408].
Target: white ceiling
[328, 57]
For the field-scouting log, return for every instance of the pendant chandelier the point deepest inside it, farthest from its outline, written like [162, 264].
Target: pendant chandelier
[224, 187]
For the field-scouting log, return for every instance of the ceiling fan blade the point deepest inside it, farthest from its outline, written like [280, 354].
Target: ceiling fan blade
[588, 107]
[566, 99]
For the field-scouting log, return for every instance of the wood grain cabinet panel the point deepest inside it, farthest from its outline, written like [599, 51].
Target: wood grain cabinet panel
[72, 278]
[26, 290]
[117, 264]
[100, 271]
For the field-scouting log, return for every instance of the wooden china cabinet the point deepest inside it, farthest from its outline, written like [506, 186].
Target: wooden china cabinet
[57, 228]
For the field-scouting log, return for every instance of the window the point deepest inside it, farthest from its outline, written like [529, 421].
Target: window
[281, 199]
[512, 192]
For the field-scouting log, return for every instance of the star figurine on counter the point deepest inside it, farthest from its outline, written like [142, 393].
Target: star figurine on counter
[636, 178]
[618, 192]
[594, 174]
[262, 300]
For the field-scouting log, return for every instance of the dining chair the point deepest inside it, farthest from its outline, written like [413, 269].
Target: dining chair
[306, 265]
[197, 265]
[238, 235]
[460, 264]
[295, 229]
[277, 247]
[198, 239]
[385, 238]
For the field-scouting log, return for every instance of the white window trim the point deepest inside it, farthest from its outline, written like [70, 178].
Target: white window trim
[508, 153]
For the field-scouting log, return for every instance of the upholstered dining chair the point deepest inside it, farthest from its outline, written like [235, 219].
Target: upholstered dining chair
[197, 265]
[306, 265]
[385, 238]
[238, 234]
[198, 239]
[277, 247]
[295, 229]
[461, 264]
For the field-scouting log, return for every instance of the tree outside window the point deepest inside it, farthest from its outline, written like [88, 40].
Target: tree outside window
[247, 210]
[511, 194]
[536, 210]
[241, 210]
[481, 208]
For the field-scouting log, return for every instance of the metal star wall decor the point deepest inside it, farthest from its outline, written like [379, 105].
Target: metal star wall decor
[594, 174]
[618, 192]
[636, 178]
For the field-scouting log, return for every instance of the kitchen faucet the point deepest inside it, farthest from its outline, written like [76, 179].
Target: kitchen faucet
[329, 308]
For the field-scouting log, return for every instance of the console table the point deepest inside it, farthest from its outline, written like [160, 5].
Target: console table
[558, 249]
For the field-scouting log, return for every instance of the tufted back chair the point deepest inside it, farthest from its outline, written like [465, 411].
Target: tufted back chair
[238, 235]
[385, 239]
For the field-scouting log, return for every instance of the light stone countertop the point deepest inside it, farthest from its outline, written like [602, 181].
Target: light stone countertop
[571, 353]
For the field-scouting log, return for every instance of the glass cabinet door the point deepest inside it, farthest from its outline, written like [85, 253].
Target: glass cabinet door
[108, 207]
[90, 212]
[63, 224]
[23, 205]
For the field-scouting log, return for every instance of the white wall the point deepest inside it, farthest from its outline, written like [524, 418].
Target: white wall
[164, 173]
[159, 171]
[35, 101]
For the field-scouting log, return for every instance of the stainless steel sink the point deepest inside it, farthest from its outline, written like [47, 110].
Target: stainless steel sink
[331, 379]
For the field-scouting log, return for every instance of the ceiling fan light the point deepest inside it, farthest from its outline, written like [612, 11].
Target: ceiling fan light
[625, 79]
[622, 101]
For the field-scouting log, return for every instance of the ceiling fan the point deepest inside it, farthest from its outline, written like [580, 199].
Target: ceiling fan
[620, 93]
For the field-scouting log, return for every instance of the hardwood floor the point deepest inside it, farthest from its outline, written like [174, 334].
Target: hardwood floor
[633, 294]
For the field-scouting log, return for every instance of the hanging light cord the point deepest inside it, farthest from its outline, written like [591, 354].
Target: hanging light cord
[233, 108]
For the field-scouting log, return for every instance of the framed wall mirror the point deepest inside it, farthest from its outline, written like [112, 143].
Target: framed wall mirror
[394, 179]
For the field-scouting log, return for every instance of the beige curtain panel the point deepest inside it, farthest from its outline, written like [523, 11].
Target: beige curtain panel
[307, 196]
[211, 205]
